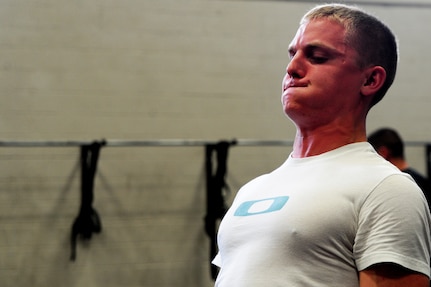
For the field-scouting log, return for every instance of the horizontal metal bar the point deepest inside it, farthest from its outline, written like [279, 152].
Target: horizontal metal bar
[14, 143]
[196, 142]
[162, 142]
[154, 143]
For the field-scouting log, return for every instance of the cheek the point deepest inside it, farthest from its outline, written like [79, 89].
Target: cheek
[333, 84]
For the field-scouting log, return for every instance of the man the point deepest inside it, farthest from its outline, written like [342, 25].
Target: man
[389, 144]
[335, 214]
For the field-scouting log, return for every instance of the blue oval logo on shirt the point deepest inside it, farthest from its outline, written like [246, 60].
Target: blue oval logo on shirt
[261, 206]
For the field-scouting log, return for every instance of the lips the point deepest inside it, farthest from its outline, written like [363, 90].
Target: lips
[293, 84]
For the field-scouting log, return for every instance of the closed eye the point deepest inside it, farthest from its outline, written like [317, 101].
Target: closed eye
[316, 55]
[318, 59]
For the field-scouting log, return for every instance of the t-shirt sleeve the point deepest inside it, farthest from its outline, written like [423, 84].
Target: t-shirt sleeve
[394, 226]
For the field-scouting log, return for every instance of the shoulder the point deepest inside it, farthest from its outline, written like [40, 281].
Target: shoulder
[397, 193]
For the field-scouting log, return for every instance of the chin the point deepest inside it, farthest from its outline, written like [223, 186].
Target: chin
[293, 112]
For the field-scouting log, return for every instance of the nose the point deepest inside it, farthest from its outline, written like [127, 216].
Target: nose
[295, 68]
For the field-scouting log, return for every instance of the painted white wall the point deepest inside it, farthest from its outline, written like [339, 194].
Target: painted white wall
[138, 70]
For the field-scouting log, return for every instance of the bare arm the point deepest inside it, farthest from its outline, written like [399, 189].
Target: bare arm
[391, 275]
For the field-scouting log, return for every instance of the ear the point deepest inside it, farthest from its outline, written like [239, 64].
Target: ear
[374, 79]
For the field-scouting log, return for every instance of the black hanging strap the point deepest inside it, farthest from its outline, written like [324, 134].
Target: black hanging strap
[87, 222]
[216, 184]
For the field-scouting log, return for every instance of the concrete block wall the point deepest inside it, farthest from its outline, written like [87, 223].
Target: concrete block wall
[137, 70]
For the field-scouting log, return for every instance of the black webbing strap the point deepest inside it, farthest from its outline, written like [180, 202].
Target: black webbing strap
[215, 183]
[87, 222]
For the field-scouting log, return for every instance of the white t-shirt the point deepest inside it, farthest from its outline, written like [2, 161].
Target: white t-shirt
[317, 221]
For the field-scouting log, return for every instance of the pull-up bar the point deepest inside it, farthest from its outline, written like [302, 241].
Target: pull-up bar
[148, 143]
[161, 142]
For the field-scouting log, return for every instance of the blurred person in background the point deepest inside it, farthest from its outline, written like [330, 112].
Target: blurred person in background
[389, 144]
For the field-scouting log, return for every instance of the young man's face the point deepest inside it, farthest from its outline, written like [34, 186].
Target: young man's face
[322, 80]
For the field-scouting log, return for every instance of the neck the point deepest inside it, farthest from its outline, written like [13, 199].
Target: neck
[400, 163]
[321, 140]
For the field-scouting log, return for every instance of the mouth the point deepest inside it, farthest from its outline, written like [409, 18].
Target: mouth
[293, 84]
